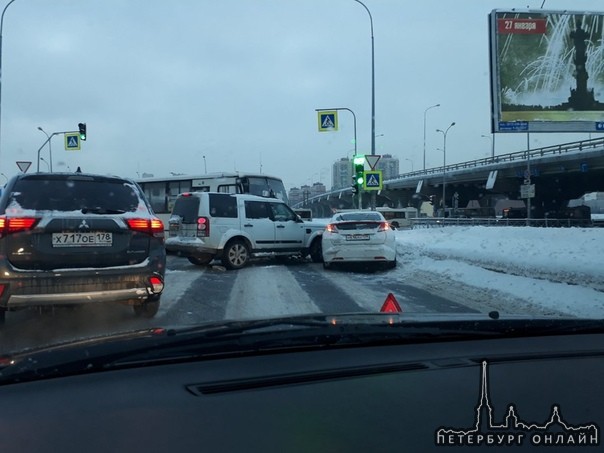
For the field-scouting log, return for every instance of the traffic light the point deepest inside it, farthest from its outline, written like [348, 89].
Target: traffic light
[355, 188]
[82, 127]
[359, 170]
[431, 199]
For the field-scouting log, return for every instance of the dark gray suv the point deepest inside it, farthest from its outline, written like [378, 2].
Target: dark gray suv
[77, 239]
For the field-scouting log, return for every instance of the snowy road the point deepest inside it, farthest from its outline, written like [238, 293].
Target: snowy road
[527, 271]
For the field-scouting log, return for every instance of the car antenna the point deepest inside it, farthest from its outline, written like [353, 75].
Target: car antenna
[78, 170]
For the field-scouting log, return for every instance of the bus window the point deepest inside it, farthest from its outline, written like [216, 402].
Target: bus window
[156, 194]
[175, 188]
[228, 188]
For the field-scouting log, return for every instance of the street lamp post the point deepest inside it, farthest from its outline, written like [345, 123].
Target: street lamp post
[44, 160]
[1, 25]
[205, 167]
[49, 147]
[425, 112]
[445, 163]
[492, 139]
[372, 93]
[411, 163]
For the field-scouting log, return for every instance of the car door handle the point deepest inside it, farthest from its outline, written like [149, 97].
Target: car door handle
[248, 225]
[280, 226]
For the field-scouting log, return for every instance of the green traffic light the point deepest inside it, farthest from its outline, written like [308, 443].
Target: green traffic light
[82, 128]
[360, 179]
[359, 159]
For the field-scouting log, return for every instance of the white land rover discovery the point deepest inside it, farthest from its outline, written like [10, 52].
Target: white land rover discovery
[234, 227]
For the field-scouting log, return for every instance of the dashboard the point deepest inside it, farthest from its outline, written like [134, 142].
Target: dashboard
[521, 392]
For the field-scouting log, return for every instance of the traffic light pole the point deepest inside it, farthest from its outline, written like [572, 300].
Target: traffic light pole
[46, 141]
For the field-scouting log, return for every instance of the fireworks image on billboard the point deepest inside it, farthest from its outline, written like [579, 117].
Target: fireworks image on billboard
[547, 71]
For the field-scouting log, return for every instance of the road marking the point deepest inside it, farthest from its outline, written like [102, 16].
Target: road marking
[268, 291]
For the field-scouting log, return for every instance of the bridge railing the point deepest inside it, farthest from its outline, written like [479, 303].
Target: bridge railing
[509, 157]
[535, 154]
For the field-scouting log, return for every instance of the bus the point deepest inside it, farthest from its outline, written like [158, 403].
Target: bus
[396, 217]
[399, 217]
[162, 192]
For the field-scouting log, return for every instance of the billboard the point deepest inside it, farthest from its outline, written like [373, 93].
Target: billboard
[547, 71]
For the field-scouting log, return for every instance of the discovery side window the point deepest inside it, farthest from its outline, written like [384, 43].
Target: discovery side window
[257, 210]
[223, 205]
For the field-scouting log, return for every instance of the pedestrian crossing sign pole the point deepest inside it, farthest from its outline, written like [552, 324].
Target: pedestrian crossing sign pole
[72, 141]
[373, 180]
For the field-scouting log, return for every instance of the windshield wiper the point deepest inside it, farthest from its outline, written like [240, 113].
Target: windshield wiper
[240, 338]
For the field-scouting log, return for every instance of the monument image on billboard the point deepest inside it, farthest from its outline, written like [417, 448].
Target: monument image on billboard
[547, 71]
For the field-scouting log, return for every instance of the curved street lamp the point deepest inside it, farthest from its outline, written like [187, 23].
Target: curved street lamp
[49, 147]
[425, 112]
[44, 160]
[492, 139]
[445, 162]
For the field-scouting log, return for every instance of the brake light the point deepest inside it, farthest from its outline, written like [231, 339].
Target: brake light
[15, 224]
[383, 226]
[203, 227]
[157, 284]
[154, 226]
[331, 228]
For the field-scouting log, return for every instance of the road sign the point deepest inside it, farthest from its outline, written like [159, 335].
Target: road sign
[72, 142]
[527, 191]
[23, 166]
[373, 180]
[328, 120]
[372, 160]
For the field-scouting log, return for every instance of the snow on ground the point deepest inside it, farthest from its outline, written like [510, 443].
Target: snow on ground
[557, 271]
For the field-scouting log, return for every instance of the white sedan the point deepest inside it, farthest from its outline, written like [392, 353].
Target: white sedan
[359, 237]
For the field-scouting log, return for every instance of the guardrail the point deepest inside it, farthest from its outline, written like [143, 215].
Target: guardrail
[439, 222]
[535, 154]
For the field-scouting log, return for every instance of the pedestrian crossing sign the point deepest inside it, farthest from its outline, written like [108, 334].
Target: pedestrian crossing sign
[72, 142]
[373, 180]
[328, 120]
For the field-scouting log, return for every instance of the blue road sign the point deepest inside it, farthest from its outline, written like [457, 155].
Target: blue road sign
[373, 180]
[600, 125]
[72, 142]
[328, 121]
[513, 126]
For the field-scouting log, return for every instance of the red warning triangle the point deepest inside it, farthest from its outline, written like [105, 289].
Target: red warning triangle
[391, 305]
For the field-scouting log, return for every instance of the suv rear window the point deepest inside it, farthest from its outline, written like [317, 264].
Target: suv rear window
[187, 208]
[73, 193]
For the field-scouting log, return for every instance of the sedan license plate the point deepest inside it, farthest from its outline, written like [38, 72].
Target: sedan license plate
[93, 239]
[357, 237]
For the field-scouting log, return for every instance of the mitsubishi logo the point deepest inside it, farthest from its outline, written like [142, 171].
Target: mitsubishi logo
[84, 226]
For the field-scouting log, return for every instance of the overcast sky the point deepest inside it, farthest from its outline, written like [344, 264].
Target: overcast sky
[162, 84]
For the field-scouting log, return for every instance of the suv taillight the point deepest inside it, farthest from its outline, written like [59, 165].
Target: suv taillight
[154, 226]
[16, 224]
[203, 227]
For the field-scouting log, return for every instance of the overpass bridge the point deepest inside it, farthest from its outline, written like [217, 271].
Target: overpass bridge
[560, 173]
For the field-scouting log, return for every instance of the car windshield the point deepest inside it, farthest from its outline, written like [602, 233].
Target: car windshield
[479, 122]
